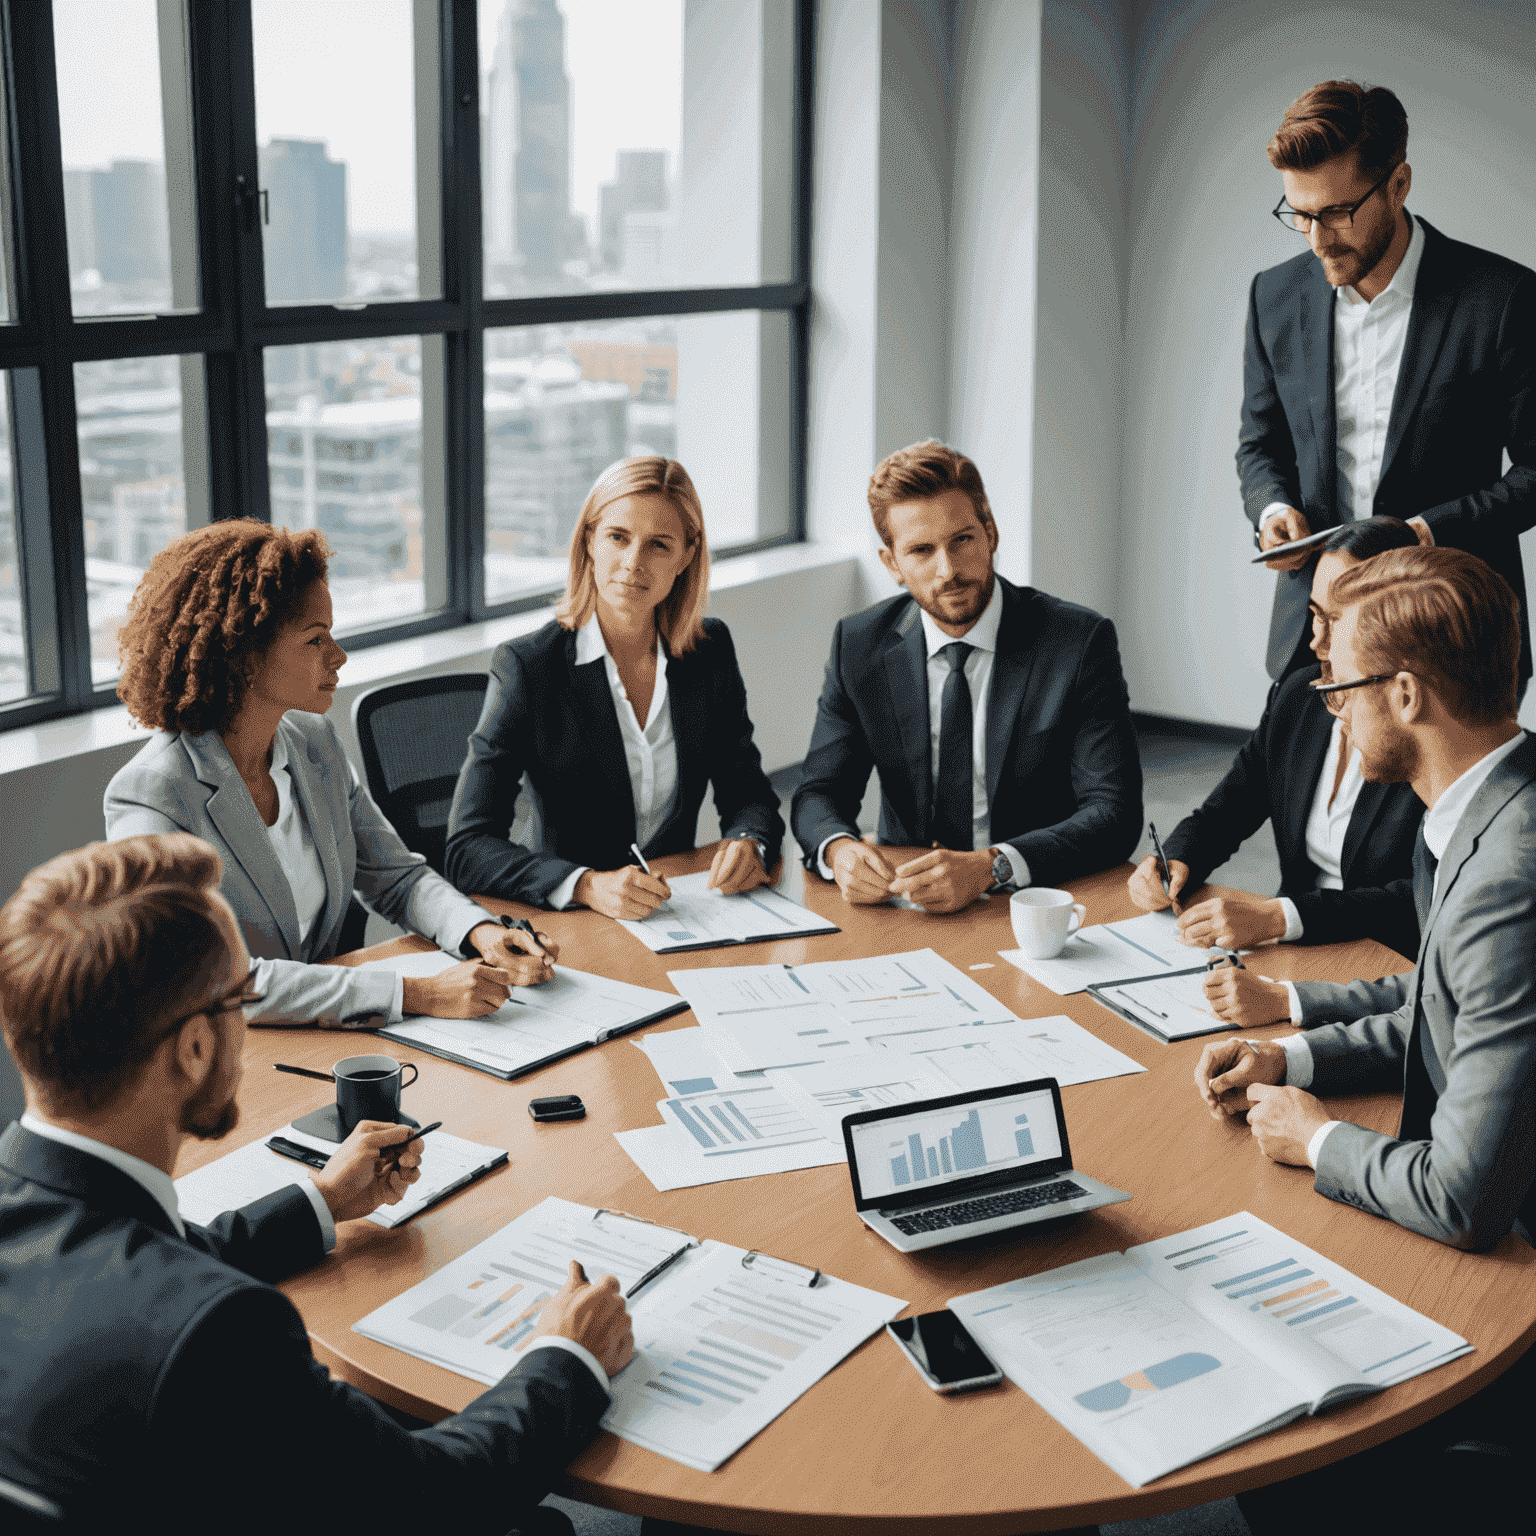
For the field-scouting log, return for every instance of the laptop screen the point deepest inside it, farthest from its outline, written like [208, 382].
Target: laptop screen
[908, 1154]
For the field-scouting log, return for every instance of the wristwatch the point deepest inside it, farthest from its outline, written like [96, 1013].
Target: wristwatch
[1002, 872]
[757, 842]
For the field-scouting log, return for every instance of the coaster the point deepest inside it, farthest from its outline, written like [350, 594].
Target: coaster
[325, 1123]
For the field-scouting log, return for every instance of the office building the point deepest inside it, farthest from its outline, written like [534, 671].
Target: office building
[304, 239]
[116, 220]
[639, 186]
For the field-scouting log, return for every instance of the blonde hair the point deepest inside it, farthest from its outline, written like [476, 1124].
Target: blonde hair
[680, 614]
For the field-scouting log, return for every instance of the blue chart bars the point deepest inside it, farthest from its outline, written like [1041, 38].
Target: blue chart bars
[1022, 1139]
[961, 1151]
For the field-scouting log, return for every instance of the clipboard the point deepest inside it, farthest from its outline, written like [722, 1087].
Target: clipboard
[1103, 992]
[1280, 551]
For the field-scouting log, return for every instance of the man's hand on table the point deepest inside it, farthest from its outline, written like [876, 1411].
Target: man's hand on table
[942, 880]
[628, 894]
[362, 1174]
[593, 1316]
[469, 990]
[736, 868]
[528, 958]
[1244, 999]
[1284, 1121]
[1285, 528]
[1146, 884]
[1227, 1068]
[862, 872]
[1233, 920]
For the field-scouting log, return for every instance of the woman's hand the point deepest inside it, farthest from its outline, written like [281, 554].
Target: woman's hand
[469, 990]
[736, 867]
[528, 958]
[628, 893]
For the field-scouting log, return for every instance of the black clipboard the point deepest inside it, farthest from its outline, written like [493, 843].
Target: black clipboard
[1097, 990]
[1295, 547]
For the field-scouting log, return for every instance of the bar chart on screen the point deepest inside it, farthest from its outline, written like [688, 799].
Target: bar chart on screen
[967, 1141]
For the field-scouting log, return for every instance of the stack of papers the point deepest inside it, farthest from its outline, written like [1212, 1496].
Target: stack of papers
[535, 1025]
[1108, 952]
[694, 917]
[447, 1163]
[1180, 1348]
[721, 1348]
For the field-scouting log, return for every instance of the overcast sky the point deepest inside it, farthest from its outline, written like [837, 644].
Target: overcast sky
[340, 70]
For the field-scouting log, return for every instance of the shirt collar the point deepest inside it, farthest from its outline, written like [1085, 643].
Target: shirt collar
[1406, 278]
[1441, 820]
[982, 635]
[156, 1180]
[590, 646]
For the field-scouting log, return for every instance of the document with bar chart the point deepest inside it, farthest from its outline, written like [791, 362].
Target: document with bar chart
[1180, 1348]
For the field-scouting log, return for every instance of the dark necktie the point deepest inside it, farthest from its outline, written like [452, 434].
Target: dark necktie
[953, 821]
[1424, 866]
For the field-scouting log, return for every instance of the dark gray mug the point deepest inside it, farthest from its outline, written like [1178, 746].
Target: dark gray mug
[368, 1088]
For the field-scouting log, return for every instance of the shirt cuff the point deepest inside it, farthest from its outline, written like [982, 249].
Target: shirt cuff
[564, 893]
[1293, 998]
[322, 1212]
[1298, 1061]
[822, 867]
[1274, 509]
[1293, 924]
[1319, 1136]
[1017, 863]
[582, 1353]
[397, 1002]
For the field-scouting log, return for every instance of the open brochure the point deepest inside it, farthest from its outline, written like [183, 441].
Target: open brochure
[694, 917]
[1178, 1349]
[536, 1025]
[725, 1340]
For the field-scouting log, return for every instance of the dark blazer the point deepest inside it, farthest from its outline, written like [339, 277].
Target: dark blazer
[1464, 395]
[1063, 771]
[555, 721]
[137, 1364]
[1274, 778]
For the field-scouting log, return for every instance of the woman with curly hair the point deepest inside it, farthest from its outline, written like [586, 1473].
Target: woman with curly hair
[620, 713]
[227, 652]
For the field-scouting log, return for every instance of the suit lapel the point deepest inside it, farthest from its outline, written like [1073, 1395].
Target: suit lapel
[594, 706]
[1317, 301]
[906, 677]
[310, 784]
[685, 701]
[1433, 301]
[1311, 760]
[1368, 806]
[233, 812]
[80, 1176]
[1013, 665]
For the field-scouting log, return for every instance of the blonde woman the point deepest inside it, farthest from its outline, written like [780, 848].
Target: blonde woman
[619, 712]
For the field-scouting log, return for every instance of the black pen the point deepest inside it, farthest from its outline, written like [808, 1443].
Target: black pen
[1226, 954]
[398, 1150]
[324, 1077]
[1164, 873]
[651, 1274]
[524, 926]
[306, 1155]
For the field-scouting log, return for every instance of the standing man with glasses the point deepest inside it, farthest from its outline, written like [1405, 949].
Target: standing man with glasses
[1387, 369]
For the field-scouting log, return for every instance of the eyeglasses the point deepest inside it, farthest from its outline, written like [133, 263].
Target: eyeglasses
[1330, 691]
[1329, 218]
[225, 1002]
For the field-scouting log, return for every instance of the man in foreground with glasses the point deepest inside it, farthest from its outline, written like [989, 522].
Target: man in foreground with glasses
[1387, 369]
[149, 1360]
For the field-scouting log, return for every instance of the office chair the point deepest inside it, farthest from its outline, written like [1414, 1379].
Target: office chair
[414, 737]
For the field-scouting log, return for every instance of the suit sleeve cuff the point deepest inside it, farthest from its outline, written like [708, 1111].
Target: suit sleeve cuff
[564, 893]
[322, 1213]
[582, 1353]
[1294, 927]
[1018, 864]
[1274, 509]
[1298, 1061]
[1319, 1136]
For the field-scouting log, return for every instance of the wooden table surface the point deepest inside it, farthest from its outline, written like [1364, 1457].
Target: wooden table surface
[870, 1449]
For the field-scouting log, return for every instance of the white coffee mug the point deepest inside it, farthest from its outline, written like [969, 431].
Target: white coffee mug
[1043, 920]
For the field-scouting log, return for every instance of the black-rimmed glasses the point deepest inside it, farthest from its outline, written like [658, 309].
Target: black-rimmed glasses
[1330, 691]
[225, 1002]
[1329, 218]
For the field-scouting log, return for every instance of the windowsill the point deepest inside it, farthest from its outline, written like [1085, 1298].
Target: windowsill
[100, 729]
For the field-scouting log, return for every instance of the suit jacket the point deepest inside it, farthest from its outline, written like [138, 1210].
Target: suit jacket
[1464, 395]
[1274, 778]
[182, 783]
[1457, 1034]
[1063, 772]
[140, 1365]
[554, 721]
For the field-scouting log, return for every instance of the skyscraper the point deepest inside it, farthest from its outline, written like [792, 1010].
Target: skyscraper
[305, 238]
[639, 185]
[117, 222]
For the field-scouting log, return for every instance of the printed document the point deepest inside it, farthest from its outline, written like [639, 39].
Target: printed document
[694, 917]
[1167, 1007]
[720, 1349]
[1139, 946]
[1181, 1348]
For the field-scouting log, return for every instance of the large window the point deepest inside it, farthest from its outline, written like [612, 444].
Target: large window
[412, 272]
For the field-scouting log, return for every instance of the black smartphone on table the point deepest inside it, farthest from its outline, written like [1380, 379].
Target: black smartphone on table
[945, 1355]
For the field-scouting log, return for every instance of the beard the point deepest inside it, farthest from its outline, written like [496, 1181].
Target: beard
[973, 595]
[212, 1113]
[1346, 270]
[1392, 759]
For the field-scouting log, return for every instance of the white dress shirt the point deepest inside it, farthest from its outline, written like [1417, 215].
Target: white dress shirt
[157, 1181]
[982, 638]
[1440, 823]
[650, 751]
[1368, 340]
[1328, 825]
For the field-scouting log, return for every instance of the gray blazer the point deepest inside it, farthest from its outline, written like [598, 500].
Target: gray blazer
[182, 783]
[1457, 1034]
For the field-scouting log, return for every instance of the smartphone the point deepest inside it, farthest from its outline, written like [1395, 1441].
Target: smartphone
[945, 1355]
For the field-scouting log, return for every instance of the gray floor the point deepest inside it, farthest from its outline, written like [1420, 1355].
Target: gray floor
[1179, 773]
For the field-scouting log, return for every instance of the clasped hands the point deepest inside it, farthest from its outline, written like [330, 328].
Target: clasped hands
[940, 880]
[1242, 1077]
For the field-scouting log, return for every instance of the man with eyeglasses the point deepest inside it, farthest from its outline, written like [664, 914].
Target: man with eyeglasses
[1387, 369]
[150, 1373]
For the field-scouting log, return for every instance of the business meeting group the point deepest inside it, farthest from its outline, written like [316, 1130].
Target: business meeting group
[151, 1368]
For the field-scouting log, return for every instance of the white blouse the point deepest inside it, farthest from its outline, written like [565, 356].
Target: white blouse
[293, 845]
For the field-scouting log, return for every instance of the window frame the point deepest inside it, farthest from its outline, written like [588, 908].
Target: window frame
[43, 341]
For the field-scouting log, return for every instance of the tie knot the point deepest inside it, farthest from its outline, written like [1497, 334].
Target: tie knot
[958, 653]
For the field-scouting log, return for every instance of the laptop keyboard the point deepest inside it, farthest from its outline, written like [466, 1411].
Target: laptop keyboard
[988, 1206]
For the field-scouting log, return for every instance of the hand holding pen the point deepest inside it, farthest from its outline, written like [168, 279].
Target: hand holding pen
[1158, 881]
[374, 1166]
[630, 894]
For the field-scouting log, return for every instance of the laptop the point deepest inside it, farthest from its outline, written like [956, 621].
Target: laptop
[967, 1164]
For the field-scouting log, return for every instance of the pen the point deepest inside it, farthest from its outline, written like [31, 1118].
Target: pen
[522, 924]
[652, 1273]
[398, 1150]
[285, 1148]
[1226, 954]
[324, 1077]
[634, 848]
[1163, 872]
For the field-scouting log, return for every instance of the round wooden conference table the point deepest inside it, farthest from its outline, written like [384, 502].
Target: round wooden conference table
[870, 1449]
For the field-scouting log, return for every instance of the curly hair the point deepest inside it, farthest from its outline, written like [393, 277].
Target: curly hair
[202, 618]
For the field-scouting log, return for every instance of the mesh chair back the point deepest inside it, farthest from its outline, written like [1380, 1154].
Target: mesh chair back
[414, 737]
